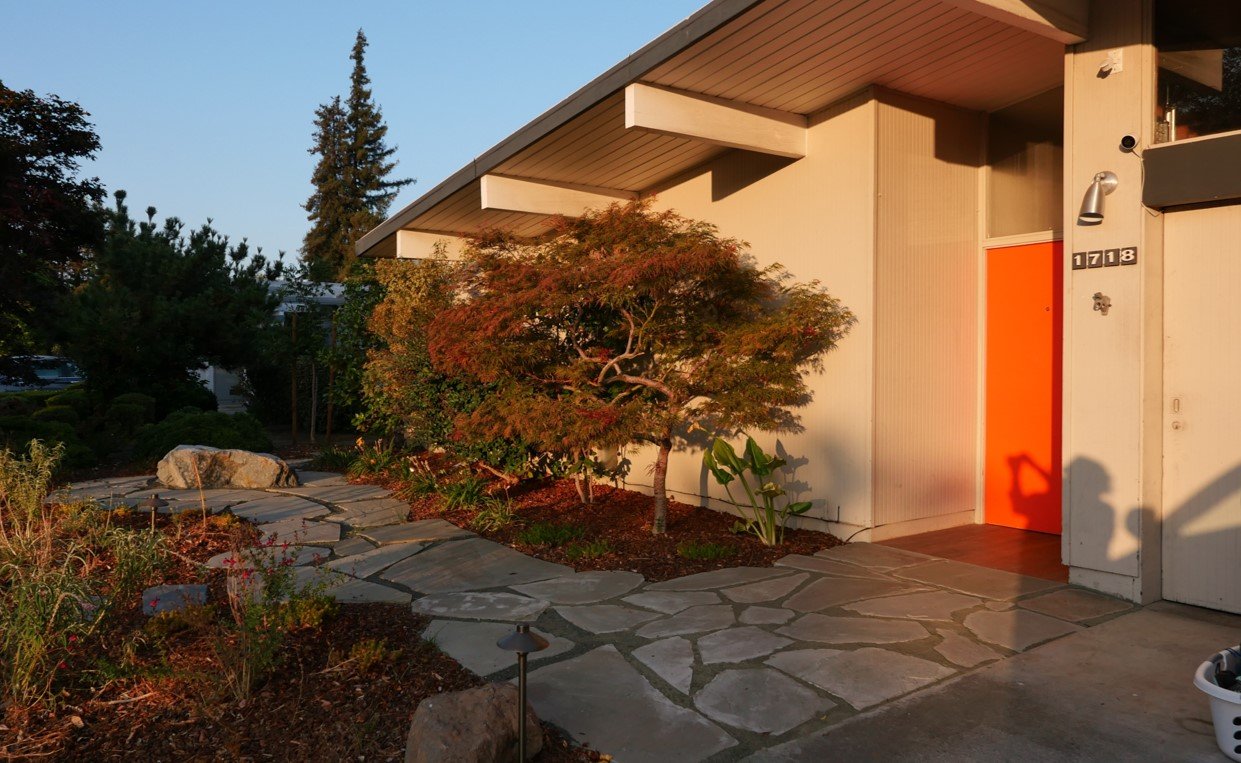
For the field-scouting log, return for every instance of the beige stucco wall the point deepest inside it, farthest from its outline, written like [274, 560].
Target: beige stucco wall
[1113, 363]
[883, 211]
[814, 216]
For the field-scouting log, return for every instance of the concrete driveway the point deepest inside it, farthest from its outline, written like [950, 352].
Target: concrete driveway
[1120, 691]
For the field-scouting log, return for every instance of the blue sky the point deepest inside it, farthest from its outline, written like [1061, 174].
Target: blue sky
[204, 109]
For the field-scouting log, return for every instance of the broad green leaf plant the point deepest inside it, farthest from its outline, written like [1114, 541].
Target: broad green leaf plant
[752, 471]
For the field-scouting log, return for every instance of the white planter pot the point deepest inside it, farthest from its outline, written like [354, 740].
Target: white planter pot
[1225, 703]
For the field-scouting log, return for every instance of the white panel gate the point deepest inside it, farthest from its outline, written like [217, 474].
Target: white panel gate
[1202, 407]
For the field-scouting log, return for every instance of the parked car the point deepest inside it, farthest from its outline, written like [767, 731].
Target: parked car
[24, 372]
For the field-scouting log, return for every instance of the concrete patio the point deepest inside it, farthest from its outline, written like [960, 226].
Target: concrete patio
[857, 652]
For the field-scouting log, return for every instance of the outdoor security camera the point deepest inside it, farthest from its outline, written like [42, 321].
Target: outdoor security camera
[1128, 143]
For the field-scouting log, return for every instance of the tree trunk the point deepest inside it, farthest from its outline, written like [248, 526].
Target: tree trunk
[660, 524]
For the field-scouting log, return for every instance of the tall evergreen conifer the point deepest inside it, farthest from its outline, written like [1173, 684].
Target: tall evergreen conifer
[352, 187]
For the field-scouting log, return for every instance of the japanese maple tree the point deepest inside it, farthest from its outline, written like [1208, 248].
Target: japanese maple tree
[629, 325]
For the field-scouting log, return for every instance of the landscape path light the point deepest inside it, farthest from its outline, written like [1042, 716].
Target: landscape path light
[153, 505]
[523, 642]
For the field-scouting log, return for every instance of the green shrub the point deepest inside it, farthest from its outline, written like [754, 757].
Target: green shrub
[495, 515]
[16, 432]
[589, 549]
[123, 419]
[73, 398]
[704, 552]
[336, 458]
[39, 397]
[61, 413]
[16, 405]
[372, 461]
[190, 426]
[146, 402]
[465, 493]
[549, 534]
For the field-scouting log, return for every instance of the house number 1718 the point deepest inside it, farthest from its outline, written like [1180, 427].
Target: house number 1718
[1105, 258]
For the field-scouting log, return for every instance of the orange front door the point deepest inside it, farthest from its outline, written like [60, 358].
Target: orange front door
[1024, 329]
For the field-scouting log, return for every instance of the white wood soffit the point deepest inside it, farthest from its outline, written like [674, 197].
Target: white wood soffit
[714, 120]
[421, 245]
[1067, 21]
[545, 198]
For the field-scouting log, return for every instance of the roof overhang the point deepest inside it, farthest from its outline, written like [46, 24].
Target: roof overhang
[738, 75]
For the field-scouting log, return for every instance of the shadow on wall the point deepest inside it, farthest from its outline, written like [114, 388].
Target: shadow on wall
[1199, 540]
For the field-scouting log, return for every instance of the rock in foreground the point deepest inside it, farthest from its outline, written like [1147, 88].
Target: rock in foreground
[473, 726]
[185, 465]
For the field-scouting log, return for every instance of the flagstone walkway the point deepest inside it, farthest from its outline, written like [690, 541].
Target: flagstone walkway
[717, 665]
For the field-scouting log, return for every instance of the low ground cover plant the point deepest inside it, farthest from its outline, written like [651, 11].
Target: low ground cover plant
[550, 534]
[700, 551]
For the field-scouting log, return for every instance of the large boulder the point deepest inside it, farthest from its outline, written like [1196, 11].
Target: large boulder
[477, 725]
[185, 465]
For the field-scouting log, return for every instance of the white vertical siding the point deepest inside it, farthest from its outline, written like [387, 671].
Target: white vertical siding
[926, 296]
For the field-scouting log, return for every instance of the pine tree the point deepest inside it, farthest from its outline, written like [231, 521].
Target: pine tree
[327, 241]
[352, 189]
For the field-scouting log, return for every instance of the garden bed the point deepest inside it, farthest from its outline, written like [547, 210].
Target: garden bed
[131, 691]
[316, 708]
[614, 532]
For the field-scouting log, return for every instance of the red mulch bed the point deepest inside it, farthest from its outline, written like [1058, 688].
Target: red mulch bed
[622, 518]
[313, 709]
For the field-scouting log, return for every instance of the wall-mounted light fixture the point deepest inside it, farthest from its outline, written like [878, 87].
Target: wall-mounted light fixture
[1092, 203]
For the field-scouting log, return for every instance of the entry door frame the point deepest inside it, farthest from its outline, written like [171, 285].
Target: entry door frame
[980, 442]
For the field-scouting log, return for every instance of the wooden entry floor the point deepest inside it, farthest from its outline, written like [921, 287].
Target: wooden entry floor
[999, 548]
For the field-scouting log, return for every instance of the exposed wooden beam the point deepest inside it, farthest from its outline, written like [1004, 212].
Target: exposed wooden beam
[423, 245]
[1067, 21]
[544, 198]
[715, 120]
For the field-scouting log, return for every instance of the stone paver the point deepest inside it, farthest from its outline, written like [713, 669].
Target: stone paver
[309, 478]
[765, 616]
[1016, 629]
[301, 532]
[672, 659]
[169, 598]
[365, 592]
[1075, 605]
[277, 508]
[351, 546]
[426, 531]
[693, 620]
[589, 696]
[374, 513]
[765, 590]
[338, 493]
[739, 645]
[825, 566]
[929, 605]
[965, 652]
[975, 580]
[474, 644]
[873, 556]
[298, 556]
[605, 618]
[508, 607]
[729, 576]
[863, 677]
[368, 563]
[671, 603]
[832, 592]
[763, 701]
[470, 565]
[852, 630]
[583, 588]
